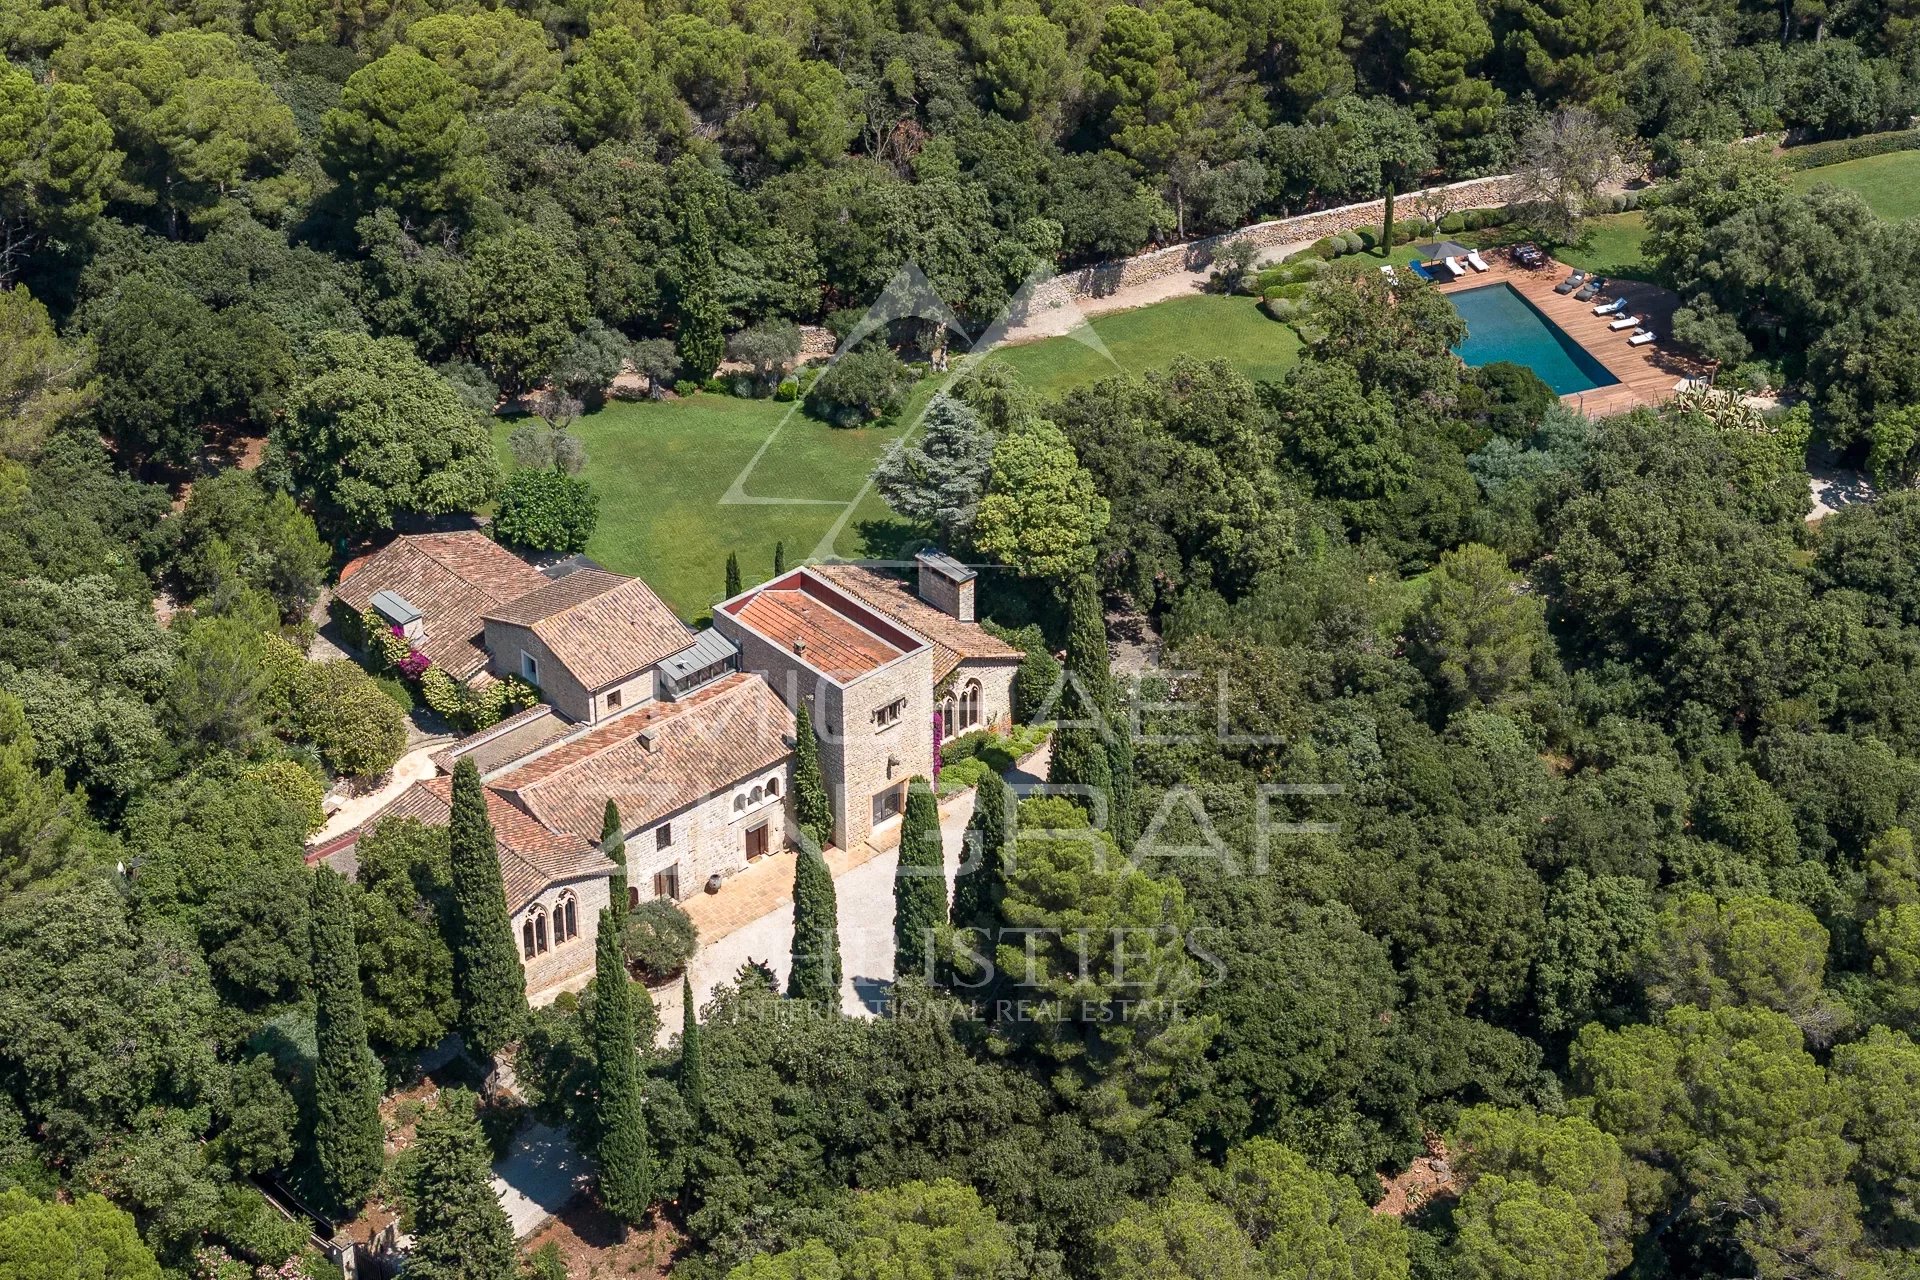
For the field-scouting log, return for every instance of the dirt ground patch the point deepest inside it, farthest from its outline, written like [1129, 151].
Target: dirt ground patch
[1428, 1178]
[588, 1240]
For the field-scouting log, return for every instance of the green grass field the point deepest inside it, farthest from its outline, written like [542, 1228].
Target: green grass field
[1890, 183]
[662, 469]
[1206, 326]
[1611, 246]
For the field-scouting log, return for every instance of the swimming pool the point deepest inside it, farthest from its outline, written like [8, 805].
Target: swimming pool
[1503, 325]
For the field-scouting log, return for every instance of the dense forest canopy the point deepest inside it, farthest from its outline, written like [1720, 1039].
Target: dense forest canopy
[1531, 793]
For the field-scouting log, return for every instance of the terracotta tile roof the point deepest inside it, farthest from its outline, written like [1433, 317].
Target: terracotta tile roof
[953, 641]
[531, 856]
[452, 579]
[601, 626]
[721, 735]
[835, 644]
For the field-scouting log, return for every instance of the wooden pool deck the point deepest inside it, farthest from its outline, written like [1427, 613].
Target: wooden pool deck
[1647, 375]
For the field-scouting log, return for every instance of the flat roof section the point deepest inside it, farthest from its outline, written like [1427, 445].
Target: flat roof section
[816, 633]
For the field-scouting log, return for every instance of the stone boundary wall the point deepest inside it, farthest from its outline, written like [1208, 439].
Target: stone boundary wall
[1104, 278]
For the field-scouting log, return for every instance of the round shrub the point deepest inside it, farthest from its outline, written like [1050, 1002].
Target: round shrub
[1453, 222]
[659, 939]
[717, 386]
[788, 390]
[1325, 247]
[1368, 237]
[547, 511]
[357, 729]
[1281, 309]
[396, 689]
[869, 384]
[1311, 269]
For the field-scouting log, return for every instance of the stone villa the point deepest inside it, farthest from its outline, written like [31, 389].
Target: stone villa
[689, 733]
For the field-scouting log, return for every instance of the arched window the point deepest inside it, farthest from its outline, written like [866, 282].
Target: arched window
[566, 919]
[633, 896]
[756, 796]
[539, 929]
[739, 804]
[526, 938]
[773, 786]
[948, 717]
[970, 705]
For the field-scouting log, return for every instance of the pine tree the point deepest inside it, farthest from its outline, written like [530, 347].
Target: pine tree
[347, 1134]
[919, 883]
[979, 890]
[815, 972]
[487, 977]
[626, 1163]
[779, 558]
[613, 843]
[812, 802]
[733, 575]
[693, 1065]
[460, 1232]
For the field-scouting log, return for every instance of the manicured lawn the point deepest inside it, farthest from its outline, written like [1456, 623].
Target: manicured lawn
[1611, 246]
[1205, 326]
[662, 469]
[1890, 183]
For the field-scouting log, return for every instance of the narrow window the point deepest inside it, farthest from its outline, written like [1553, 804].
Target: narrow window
[529, 667]
[526, 939]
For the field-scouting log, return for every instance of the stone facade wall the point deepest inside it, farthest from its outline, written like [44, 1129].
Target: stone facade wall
[1103, 278]
[554, 969]
[710, 838]
[996, 690]
[875, 759]
[506, 640]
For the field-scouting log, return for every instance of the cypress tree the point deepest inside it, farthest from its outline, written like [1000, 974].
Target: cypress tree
[1080, 760]
[919, 883]
[1386, 225]
[814, 974]
[693, 1065]
[613, 843]
[1123, 823]
[779, 558]
[460, 1232]
[1087, 649]
[699, 320]
[733, 575]
[347, 1134]
[487, 977]
[812, 802]
[626, 1163]
[978, 892]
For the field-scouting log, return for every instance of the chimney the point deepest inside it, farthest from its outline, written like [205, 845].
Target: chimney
[649, 739]
[799, 646]
[946, 584]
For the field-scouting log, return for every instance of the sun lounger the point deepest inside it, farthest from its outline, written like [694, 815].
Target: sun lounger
[1625, 322]
[1611, 308]
[1571, 283]
[1641, 338]
[1477, 262]
[1453, 266]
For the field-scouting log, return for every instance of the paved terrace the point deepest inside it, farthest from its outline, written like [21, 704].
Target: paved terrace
[1648, 375]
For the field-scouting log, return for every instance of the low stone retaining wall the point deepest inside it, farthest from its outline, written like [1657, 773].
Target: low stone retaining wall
[1104, 278]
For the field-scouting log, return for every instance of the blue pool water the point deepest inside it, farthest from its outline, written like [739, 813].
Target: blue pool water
[1503, 325]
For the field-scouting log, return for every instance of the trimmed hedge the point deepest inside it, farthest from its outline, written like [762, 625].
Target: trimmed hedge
[1813, 155]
